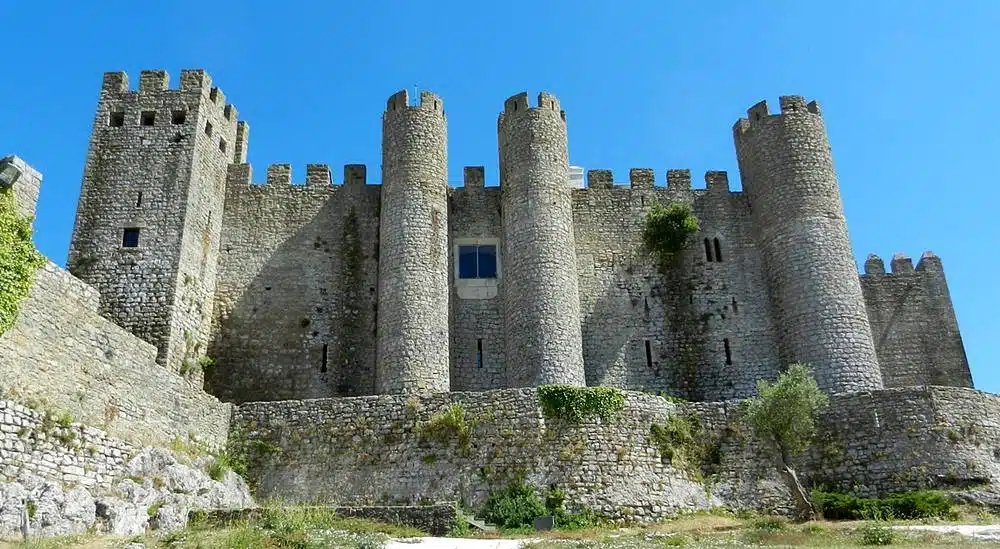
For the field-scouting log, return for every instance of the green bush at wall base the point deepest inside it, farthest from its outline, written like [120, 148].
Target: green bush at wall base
[579, 403]
[918, 504]
[19, 260]
[667, 229]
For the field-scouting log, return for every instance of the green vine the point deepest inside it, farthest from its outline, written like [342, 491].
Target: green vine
[667, 229]
[579, 403]
[685, 442]
[19, 260]
[452, 423]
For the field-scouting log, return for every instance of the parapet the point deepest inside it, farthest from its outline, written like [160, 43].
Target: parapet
[474, 177]
[318, 175]
[242, 142]
[519, 103]
[279, 174]
[717, 181]
[679, 180]
[400, 101]
[788, 105]
[903, 264]
[642, 178]
[355, 175]
[600, 179]
[158, 81]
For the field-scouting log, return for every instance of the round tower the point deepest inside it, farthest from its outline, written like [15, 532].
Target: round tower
[540, 286]
[412, 326]
[812, 277]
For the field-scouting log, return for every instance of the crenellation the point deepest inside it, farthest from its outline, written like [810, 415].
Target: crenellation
[115, 82]
[600, 179]
[153, 81]
[196, 80]
[717, 181]
[641, 178]
[318, 175]
[874, 265]
[474, 177]
[929, 261]
[355, 175]
[679, 180]
[279, 174]
[242, 144]
[901, 264]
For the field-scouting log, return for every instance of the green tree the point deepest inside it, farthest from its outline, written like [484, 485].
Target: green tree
[783, 414]
[667, 229]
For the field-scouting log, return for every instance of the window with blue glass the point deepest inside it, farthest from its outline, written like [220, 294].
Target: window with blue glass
[477, 261]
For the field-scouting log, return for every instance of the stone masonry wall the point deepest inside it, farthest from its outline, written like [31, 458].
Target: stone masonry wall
[704, 321]
[26, 188]
[870, 443]
[61, 350]
[913, 323]
[378, 450]
[296, 290]
[36, 442]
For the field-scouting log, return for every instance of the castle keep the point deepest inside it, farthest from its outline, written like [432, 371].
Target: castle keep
[332, 322]
[321, 289]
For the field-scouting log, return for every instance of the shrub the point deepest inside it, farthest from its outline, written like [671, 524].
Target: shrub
[516, 506]
[769, 523]
[685, 442]
[576, 404]
[667, 229]
[918, 504]
[876, 533]
[450, 423]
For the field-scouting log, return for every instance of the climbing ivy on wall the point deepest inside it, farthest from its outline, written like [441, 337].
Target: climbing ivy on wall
[578, 403]
[19, 260]
[667, 228]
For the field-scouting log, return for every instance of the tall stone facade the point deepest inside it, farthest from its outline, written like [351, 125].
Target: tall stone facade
[322, 289]
[150, 212]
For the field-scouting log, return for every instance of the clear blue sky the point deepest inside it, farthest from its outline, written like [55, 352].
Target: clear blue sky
[909, 89]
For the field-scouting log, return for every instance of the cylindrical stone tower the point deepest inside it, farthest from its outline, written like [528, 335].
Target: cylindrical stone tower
[538, 263]
[412, 340]
[812, 278]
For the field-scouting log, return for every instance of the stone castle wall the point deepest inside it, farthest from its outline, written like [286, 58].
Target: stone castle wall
[61, 350]
[295, 300]
[370, 450]
[913, 323]
[35, 442]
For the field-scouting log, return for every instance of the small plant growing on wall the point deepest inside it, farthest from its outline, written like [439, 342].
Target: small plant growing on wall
[784, 415]
[19, 260]
[667, 229]
[576, 404]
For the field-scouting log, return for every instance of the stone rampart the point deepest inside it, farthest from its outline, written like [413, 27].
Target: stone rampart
[63, 352]
[397, 450]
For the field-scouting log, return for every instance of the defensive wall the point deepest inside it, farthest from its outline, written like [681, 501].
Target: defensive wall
[381, 449]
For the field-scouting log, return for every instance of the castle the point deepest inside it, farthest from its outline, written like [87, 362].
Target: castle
[321, 289]
[331, 323]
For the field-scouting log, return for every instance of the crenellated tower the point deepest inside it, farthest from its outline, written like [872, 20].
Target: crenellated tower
[412, 326]
[150, 211]
[811, 274]
[540, 280]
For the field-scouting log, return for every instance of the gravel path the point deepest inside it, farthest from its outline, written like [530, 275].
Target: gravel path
[985, 532]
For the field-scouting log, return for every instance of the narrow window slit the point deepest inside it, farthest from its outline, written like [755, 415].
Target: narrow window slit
[718, 250]
[326, 358]
[138, 200]
[736, 307]
[708, 250]
[479, 353]
[649, 355]
[729, 354]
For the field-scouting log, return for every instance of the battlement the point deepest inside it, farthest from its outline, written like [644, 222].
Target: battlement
[281, 175]
[519, 103]
[717, 181]
[474, 177]
[788, 105]
[428, 101]
[903, 264]
[645, 178]
[158, 81]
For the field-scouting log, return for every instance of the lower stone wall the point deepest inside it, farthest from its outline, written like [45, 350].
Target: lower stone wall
[870, 444]
[62, 352]
[379, 450]
[369, 450]
[55, 448]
